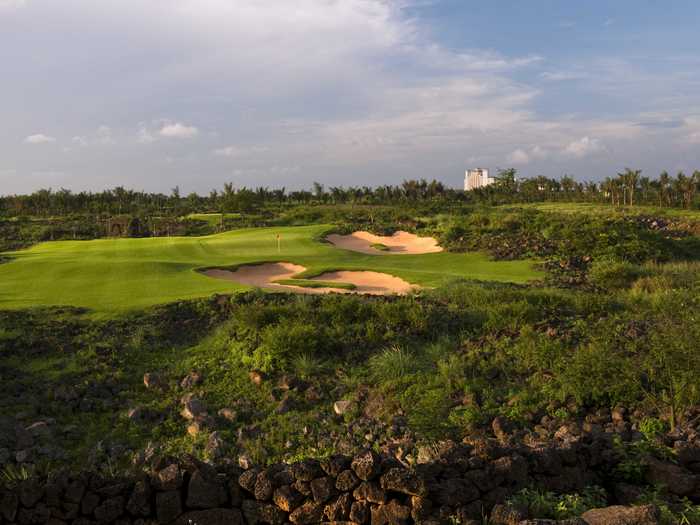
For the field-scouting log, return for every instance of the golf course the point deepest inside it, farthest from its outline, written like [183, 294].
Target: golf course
[114, 275]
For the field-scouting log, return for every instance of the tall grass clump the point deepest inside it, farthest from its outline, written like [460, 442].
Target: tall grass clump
[392, 363]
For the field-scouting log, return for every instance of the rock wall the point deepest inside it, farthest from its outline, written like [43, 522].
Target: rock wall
[451, 483]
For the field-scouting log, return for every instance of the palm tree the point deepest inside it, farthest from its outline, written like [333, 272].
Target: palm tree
[664, 186]
[631, 180]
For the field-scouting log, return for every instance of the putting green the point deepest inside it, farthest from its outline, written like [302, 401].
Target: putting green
[113, 275]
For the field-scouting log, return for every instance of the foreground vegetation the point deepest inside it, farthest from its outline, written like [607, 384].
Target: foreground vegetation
[539, 317]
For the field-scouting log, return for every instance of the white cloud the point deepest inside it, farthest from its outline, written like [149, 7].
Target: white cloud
[104, 136]
[561, 76]
[144, 135]
[178, 131]
[340, 87]
[239, 151]
[80, 141]
[39, 138]
[519, 156]
[228, 151]
[583, 147]
[11, 4]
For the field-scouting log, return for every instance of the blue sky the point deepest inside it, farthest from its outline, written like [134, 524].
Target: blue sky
[348, 92]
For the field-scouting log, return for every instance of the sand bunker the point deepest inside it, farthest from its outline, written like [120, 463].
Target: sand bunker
[400, 243]
[265, 275]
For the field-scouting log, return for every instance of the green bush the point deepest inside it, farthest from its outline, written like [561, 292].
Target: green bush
[611, 274]
[543, 504]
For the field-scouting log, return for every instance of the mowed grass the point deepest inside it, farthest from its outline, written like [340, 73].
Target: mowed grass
[113, 275]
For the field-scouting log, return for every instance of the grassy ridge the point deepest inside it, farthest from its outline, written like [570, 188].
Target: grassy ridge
[310, 283]
[605, 209]
[112, 275]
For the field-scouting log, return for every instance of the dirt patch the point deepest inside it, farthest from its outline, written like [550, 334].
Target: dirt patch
[266, 275]
[401, 243]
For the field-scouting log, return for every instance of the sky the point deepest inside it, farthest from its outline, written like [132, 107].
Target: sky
[280, 93]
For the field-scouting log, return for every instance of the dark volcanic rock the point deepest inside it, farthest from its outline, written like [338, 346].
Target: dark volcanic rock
[168, 506]
[366, 465]
[211, 517]
[618, 515]
[346, 481]
[308, 513]
[322, 489]
[393, 513]
[287, 498]
[204, 491]
[404, 481]
[307, 470]
[369, 491]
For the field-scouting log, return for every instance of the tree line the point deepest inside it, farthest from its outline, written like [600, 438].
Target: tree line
[627, 188]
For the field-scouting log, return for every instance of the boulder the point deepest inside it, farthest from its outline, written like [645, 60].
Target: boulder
[9, 504]
[153, 380]
[501, 427]
[335, 464]
[404, 481]
[322, 489]
[308, 513]
[204, 491]
[228, 414]
[346, 481]
[455, 492]
[263, 488]
[287, 498]
[256, 512]
[215, 445]
[307, 470]
[256, 376]
[359, 512]
[211, 517]
[339, 509]
[89, 503]
[192, 408]
[506, 515]
[139, 503]
[169, 478]
[168, 506]
[369, 491]
[393, 513]
[191, 380]
[342, 407]
[676, 479]
[619, 515]
[110, 509]
[367, 465]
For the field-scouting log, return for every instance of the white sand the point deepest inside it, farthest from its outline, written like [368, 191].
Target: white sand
[265, 275]
[400, 243]
[259, 275]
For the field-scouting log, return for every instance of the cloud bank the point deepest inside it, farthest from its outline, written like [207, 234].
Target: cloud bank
[263, 92]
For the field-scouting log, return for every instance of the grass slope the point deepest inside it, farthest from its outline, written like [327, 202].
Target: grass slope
[606, 209]
[113, 275]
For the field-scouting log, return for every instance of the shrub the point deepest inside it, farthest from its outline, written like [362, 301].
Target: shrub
[543, 504]
[391, 364]
[612, 274]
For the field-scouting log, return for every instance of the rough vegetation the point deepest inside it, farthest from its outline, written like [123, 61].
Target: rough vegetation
[575, 396]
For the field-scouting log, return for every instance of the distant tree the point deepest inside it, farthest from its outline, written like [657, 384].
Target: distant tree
[318, 190]
[506, 180]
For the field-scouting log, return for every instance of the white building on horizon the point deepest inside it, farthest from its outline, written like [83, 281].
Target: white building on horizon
[477, 178]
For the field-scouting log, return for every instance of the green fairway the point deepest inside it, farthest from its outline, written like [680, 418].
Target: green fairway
[114, 275]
